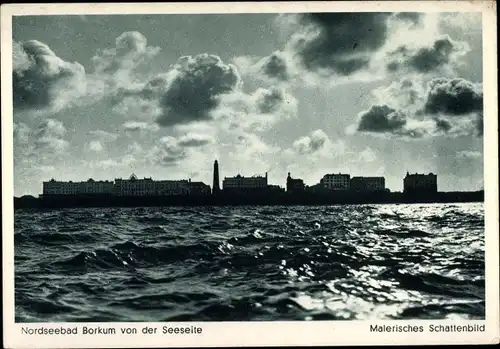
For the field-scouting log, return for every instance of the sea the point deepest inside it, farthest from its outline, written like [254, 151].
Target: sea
[250, 263]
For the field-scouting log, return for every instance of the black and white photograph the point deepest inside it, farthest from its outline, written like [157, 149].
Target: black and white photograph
[200, 167]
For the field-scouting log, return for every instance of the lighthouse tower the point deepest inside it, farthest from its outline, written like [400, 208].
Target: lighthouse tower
[216, 187]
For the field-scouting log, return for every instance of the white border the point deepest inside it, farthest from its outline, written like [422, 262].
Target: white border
[261, 333]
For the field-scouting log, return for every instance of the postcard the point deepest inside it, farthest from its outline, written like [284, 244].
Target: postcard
[250, 174]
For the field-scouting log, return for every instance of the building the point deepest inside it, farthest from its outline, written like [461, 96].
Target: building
[198, 188]
[54, 187]
[171, 188]
[216, 184]
[275, 189]
[127, 187]
[134, 186]
[244, 183]
[294, 184]
[96, 187]
[420, 183]
[316, 189]
[336, 181]
[367, 184]
[90, 187]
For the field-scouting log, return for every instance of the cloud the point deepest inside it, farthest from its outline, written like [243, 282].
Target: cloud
[367, 155]
[170, 151]
[279, 67]
[103, 136]
[469, 154]
[317, 143]
[258, 110]
[195, 89]
[413, 18]
[402, 94]
[134, 126]
[167, 152]
[95, 146]
[120, 66]
[194, 140]
[189, 92]
[339, 43]
[21, 132]
[458, 100]
[110, 164]
[329, 49]
[203, 89]
[453, 97]
[384, 120]
[381, 118]
[443, 107]
[41, 145]
[275, 66]
[42, 80]
[269, 100]
[480, 124]
[97, 140]
[441, 55]
[321, 48]
[467, 21]
[246, 153]
[48, 136]
[130, 51]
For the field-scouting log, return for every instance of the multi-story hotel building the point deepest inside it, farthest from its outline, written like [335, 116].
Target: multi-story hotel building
[367, 184]
[335, 181]
[54, 187]
[244, 183]
[132, 186]
[420, 183]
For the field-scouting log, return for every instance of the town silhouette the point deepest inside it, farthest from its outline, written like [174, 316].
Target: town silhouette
[333, 188]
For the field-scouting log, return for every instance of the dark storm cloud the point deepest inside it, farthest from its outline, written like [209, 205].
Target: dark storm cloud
[381, 118]
[426, 59]
[453, 97]
[190, 91]
[194, 91]
[41, 79]
[449, 107]
[443, 125]
[275, 66]
[342, 43]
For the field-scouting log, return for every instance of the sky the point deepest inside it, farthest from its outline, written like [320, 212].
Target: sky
[369, 94]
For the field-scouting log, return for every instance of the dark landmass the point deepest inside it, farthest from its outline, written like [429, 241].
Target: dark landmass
[283, 199]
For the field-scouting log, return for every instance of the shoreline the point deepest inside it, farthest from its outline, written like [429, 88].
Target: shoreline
[59, 201]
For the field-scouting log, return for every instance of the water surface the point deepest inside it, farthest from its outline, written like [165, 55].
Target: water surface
[250, 263]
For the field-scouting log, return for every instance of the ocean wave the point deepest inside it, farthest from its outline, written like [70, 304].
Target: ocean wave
[250, 263]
